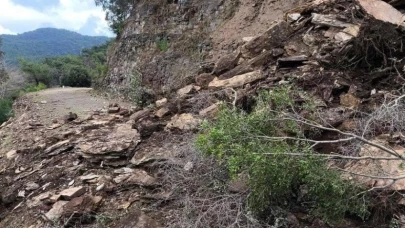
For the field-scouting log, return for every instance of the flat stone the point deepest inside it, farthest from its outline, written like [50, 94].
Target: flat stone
[328, 20]
[161, 102]
[114, 109]
[140, 114]
[162, 112]
[209, 111]
[185, 121]
[382, 11]
[37, 200]
[71, 193]
[11, 154]
[31, 186]
[186, 90]
[56, 146]
[226, 63]
[293, 17]
[57, 210]
[237, 81]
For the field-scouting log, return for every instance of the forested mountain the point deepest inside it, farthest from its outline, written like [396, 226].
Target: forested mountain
[46, 42]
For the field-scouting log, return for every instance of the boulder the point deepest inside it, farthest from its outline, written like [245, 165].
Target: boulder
[109, 143]
[71, 193]
[226, 63]
[210, 111]
[56, 211]
[140, 114]
[81, 206]
[237, 81]
[70, 117]
[184, 121]
[273, 37]
[382, 11]
[161, 102]
[135, 177]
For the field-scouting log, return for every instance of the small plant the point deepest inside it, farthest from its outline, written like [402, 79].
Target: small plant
[241, 141]
[163, 44]
[5, 110]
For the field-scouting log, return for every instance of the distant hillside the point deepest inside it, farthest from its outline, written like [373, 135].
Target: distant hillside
[46, 42]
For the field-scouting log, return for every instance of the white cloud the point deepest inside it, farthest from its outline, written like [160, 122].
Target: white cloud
[68, 14]
[6, 31]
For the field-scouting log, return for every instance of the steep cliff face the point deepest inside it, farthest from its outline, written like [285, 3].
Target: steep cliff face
[164, 44]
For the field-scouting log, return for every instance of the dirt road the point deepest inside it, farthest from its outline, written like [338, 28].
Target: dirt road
[55, 103]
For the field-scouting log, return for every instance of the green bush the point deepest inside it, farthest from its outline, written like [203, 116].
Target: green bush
[239, 140]
[77, 76]
[5, 109]
[34, 88]
[163, 44]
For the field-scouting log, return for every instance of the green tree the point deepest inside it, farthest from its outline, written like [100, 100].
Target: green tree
[77, 76]
[117, 11]
[36, 72]
[3, 73]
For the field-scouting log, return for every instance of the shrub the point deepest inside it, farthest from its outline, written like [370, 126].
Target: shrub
[77, 76]
[5, 109]
[163, 44]
[242, 140]
[34, 88]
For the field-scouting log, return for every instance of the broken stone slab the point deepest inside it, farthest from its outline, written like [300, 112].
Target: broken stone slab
[160, 103]
[11, 154]
[114, 110]
[226, 63]
[210, 111]
[71, 193]
[136, 177]
[110, 144]
[57, 210]
[382, 11]
[81, 206]
[147, 127]
[252, 64]
[190, 89]
[162, 112]
[347, 33]
[328, 20]
[37, 200]
[271, 38]
[185, 121]
[237, 81]
[291, 61]
[56, 146]
[140, 114]
[89, 177]
[94, 124]
[31, 186]
[292, 17]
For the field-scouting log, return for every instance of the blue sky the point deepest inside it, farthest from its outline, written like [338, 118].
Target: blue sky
[18, 16]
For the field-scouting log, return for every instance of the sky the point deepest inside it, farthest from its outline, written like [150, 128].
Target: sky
[83, 16]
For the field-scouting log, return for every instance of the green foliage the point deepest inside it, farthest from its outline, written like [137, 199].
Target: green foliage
[70, 70]
[242, 142]
[136, 91]
[36, 72]
[163, 44]
[77, 76]
[46, 42]
[5, 109]
[34, 88]
[117, 11]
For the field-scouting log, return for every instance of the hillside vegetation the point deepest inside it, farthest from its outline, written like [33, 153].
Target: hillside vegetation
[46, 42]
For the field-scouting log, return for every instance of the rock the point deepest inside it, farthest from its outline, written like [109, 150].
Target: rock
[237, 81]
[342, 37]
[293, 17]
[109, 144]
[124, 112]
[71, 193]
[238, 186]
[43, 102]
[210, 111]
[147, 127]
[382, 11]
[226, 63]
[162, 112]
[161, 102]
[54, 126]
[328, 20]
[190, 89]
[248, 38]
[57, 210]
[70, 117]
[188, 166]
[81, 206]
[352, 30]
[252, 64]
[89, 177]
[57, 146]
[94, 124]
[135, 177]
[114, 110]
[272, 38]
[37, 200]
[184, 121]
[31, 186]
[350, 101]
[140, 114]
[291, 61]
[11, 154]
[204, 79]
